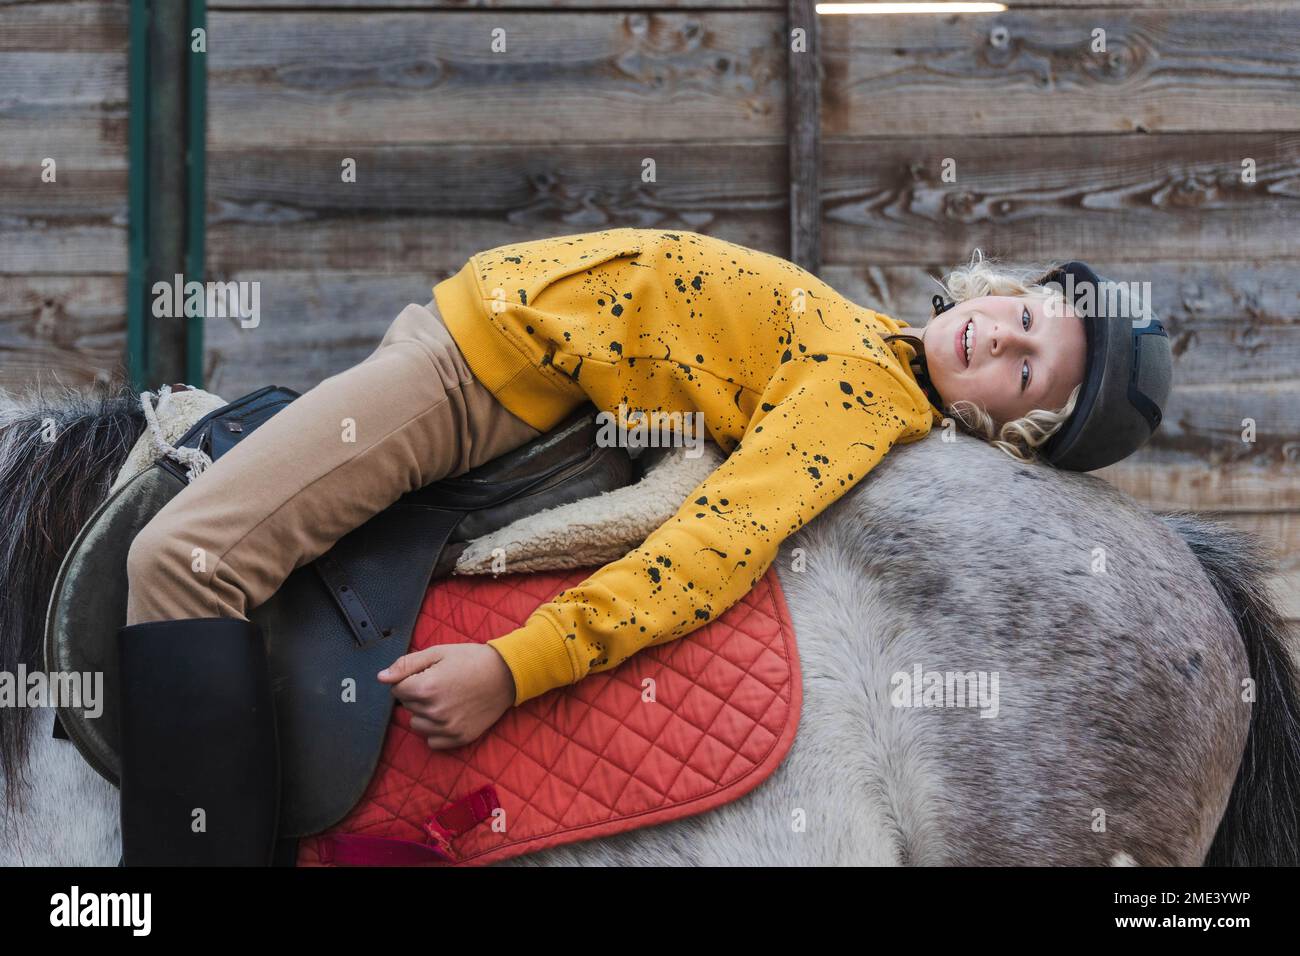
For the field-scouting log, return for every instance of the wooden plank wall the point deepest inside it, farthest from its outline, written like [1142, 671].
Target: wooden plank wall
[63, 245]
[1130, 159]
[459, 148]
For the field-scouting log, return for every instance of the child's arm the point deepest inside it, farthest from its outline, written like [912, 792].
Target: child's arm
[821, 426]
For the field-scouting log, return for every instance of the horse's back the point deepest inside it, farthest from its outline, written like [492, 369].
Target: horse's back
[1103, 717]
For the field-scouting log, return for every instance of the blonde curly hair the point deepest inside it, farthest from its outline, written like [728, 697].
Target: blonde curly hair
[1022, 437]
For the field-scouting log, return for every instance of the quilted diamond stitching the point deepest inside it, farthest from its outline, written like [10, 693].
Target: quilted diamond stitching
[589, 751]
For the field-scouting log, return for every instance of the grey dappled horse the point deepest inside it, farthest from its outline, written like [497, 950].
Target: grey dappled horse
[1122, 731]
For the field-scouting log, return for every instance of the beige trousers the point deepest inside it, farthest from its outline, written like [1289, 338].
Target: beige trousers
[409, 414]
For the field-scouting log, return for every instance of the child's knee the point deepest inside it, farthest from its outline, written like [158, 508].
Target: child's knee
[160, 563]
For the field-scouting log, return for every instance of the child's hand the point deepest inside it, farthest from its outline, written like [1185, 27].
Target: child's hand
[453, 691]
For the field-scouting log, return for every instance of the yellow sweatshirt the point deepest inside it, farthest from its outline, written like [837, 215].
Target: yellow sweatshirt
[793, 380]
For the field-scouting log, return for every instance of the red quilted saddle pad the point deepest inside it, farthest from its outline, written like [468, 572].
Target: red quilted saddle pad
[591, 759]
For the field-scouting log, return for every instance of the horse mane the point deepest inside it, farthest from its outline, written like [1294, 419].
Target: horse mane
[60, 449]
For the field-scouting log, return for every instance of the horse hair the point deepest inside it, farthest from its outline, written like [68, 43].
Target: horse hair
[60, 449]
[1261, 825]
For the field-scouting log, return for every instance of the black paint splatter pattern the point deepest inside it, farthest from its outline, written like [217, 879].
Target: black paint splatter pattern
[794, 380]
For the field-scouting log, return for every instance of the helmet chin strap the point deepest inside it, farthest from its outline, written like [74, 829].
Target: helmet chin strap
[918, 364]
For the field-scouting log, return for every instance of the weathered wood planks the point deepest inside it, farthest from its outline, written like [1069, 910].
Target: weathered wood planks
[448, 6]
[1158, 197]
[1131, 159]
[65, 330]
[1177, 69]
[62, 244]
[389, 78]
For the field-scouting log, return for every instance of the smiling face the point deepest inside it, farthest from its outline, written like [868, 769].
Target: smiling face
[1007, 354]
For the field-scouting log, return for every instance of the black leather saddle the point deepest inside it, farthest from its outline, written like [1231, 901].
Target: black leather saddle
[335, 622]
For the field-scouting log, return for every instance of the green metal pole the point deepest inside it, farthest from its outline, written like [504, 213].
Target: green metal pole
[167, 186]
[196, 217]
[137, 337]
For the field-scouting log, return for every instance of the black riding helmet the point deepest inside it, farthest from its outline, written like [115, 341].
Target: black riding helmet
[1127, 374]
[1126, 379]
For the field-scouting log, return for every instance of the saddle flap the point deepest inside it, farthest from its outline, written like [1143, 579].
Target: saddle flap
[331, 710]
